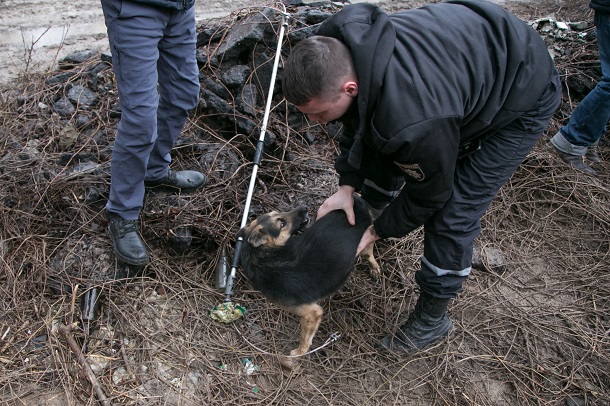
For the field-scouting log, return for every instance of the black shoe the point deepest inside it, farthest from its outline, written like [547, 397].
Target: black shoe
[427, 324]
[128, 246]
[575, 161]
[593, 156]
[179, 180]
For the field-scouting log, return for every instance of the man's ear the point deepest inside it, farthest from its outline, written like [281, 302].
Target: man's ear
[351, 88]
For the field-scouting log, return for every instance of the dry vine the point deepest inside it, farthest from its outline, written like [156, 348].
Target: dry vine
[538, 334]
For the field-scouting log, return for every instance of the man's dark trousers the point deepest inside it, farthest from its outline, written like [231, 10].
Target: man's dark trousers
[449, 234]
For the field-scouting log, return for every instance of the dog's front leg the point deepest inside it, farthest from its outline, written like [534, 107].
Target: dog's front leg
[311, 316]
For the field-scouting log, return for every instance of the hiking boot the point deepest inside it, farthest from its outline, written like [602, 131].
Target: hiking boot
[575, 161]
[427, 324]
[593, 156]
[128, 246]
[179, 180]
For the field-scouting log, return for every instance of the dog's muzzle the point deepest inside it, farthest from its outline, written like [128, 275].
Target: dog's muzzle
[301, 219]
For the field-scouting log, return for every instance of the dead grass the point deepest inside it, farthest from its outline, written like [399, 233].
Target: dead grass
[538, 334]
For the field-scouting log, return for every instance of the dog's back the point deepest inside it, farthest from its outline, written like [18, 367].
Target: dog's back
[310, 266]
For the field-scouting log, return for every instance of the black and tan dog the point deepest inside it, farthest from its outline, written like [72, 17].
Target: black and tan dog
[297, 271]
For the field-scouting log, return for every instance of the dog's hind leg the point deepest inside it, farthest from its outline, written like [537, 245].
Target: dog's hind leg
[311, 316]
[369, 256]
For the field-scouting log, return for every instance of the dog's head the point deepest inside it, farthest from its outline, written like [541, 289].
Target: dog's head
[275, 228]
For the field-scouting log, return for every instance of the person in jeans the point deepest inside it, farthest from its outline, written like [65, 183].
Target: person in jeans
[576, 142]
[439, 105]
[153, 44]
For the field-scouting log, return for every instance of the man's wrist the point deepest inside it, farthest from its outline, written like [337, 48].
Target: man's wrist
[347, 189]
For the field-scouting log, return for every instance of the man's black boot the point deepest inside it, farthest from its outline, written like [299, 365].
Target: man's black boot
[179, 180]
[128, 246]
[427, 323]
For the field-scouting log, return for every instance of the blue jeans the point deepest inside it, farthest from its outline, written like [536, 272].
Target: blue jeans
[588, 121]
[155, 67]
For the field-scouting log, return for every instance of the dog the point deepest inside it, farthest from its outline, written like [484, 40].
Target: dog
[295, 266]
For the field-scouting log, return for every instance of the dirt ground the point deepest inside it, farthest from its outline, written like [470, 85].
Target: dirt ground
[35, 34]
[537, 333]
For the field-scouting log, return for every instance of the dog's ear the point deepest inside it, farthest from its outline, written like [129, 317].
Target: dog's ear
[257, 238]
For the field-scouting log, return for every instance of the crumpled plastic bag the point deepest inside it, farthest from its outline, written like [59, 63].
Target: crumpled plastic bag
[227, 312]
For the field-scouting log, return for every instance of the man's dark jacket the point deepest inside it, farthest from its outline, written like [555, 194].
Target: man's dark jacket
[430, 79]
[175, 4]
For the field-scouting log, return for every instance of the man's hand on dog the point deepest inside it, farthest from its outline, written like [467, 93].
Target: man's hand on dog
[343, 199]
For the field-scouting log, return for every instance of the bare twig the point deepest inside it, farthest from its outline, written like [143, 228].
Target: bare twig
[66, 333]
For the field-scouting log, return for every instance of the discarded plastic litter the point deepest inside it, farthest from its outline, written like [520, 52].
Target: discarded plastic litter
[227, 312]
[249, 366]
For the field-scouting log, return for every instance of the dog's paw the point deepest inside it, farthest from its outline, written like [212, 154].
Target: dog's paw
[293, 362]
[290, 365]
[374, 268]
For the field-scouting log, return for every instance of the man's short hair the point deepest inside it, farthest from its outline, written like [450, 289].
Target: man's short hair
[316, 67]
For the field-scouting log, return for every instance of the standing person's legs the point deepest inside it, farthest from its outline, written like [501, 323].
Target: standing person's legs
[588, 121]
[449, 234]
[134, 31]
[178, 87]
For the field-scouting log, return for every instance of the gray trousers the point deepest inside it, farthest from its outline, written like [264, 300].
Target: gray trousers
[449, 233]
[153, 56]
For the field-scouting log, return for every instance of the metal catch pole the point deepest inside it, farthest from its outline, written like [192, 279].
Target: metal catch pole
[257, 159]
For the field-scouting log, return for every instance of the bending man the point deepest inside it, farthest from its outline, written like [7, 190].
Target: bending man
[440, 106]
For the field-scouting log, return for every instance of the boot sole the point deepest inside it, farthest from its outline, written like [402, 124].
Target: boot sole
[172, 189]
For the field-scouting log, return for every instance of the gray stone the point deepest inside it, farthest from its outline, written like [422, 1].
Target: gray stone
[236, 76]
[263, 67]
[82, 120]
[219, 161]
[78, 57]
[60, 78]
[315, 16]
[298, 35]
[106, 56]
[579, 25]
[244, 35]
[488, 259]
[209, 34]
[246, 101]
[216, 104]
[216, 87]
[63, 107]
[180, 239]
[82, 96]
